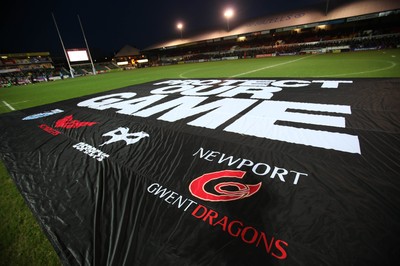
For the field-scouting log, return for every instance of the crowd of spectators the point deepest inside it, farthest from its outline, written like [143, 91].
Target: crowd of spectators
[23, 77]
[378, 33]
[278, 45]
[38, 74]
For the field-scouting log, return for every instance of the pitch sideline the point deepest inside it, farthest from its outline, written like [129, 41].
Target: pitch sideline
[8, 105]
[271, 66]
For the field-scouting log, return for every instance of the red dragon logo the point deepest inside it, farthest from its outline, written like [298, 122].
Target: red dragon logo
[237, 190]
[70, 122]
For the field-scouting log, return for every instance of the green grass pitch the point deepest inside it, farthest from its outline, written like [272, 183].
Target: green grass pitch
[21, 239]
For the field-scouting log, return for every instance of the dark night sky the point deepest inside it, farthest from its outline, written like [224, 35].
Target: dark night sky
[27, 26]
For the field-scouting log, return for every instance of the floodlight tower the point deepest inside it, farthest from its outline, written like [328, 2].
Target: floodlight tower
[228, 14]
[327, 7]
[180, 27]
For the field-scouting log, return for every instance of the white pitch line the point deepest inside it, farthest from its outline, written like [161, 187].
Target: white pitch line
[8, 105]
[392, 65]
[182, 75]
[20, 102]
[266, 67]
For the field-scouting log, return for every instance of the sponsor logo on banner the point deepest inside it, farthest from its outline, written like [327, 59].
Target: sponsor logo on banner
[66, 122]
[122, 134]
[91, 151]
[257, 168]
[49, 130]
[235, 228]
[70, 122]
[170, 197]
[225, 191]
[44, 114]
[246, 105]
[119, 134]
[245, 233]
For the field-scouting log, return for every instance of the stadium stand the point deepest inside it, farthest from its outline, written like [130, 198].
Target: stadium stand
[362, 25]
[356, 26]
[129, 57]
[27, 68]
[86, 69]
[24, 68]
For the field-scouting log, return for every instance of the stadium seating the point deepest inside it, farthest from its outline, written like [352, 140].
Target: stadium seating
[375, 33]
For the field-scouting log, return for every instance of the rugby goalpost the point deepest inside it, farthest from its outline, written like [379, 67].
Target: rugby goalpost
[76, 54]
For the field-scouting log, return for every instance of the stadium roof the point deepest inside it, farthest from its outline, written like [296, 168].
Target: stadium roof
[293, 18]
[127, 50]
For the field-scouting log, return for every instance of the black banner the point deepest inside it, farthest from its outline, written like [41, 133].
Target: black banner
[215, 172]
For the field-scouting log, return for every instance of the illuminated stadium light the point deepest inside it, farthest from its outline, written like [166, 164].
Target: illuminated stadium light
[228, 14]
[141, 61]
[123, 63]
[180, 27]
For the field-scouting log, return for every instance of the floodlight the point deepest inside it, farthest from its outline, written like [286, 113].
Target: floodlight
[180, 27]
[228, 14]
